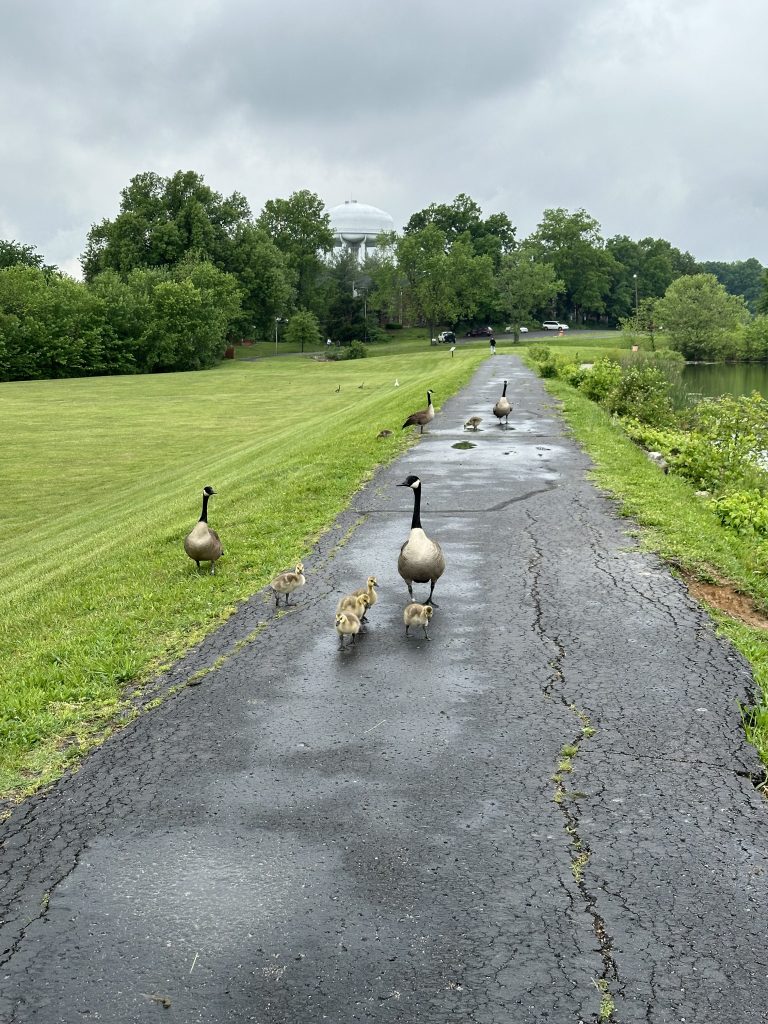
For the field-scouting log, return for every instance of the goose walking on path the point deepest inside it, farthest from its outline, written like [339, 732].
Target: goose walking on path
[421, 559]
[422, 417]
[417, 615]
[502, 409]
[202, 544]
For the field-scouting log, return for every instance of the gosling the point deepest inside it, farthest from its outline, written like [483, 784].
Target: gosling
[369, 592]
[356, 604]
[347, 624]
[287, 582]
[473, 422]
[417, 615]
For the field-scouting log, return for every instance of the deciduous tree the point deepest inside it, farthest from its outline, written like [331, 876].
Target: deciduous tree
[696, 311]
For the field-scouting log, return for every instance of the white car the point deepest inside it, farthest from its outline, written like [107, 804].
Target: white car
[511, 330]
[553, 325]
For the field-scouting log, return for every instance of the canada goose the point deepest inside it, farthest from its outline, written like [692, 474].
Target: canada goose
[338, 389]
[347, 624]
[473, 422]
[421, 560]
[361, 386]
[421, 418]
[384, 433]
[202, 543]
[356, 604]
[397, 382]
[287, 582]
[502, 409]
[417, 615]
[369, 593]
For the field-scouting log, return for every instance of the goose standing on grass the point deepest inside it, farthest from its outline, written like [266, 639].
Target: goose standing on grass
[417, 615]
[421, 559]
[287, 582]
[502, 409]
[421, 418]
[202, 543]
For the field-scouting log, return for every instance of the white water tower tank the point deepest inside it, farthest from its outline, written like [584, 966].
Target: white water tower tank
[358, 225]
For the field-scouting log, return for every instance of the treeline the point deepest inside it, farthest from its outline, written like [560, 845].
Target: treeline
[181, 270]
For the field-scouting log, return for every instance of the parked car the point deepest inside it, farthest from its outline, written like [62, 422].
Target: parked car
[511, 330]
[446, 338]
[553, 325]
[477, 332]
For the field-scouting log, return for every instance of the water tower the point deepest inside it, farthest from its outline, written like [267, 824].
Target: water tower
[358, 226]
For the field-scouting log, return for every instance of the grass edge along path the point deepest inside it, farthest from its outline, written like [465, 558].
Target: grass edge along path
[682, 530]
[107, 475]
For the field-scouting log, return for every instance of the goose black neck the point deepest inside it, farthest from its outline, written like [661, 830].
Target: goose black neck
[504, 392]
[416, 521]
[429, 399]
[204, 513]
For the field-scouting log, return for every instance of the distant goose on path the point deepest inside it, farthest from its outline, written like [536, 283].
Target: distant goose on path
[421, 418]
[202, 544]
[502, 409]
[421, 559]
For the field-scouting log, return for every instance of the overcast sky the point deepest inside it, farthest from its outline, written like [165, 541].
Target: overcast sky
[649, 114]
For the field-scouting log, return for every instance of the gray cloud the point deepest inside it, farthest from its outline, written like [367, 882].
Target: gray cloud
[649, 115]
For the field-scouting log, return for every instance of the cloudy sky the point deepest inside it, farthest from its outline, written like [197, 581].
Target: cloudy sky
[650, 114]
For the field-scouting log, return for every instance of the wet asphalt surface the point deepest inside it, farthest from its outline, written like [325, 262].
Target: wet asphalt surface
[374, 835]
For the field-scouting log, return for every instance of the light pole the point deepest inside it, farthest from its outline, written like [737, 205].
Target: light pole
[278, 319]
[635, 277]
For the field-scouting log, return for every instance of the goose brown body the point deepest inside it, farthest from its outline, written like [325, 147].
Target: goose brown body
[202, 543]
[502, 409]
[421, 559]
[422, 417]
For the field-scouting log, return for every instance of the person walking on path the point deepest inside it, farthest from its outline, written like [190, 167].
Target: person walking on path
[493, 346]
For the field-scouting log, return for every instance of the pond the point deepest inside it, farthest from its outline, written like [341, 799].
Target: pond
[712, 379]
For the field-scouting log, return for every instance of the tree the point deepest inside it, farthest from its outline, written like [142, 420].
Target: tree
[762, 301]
[161, 220]
[493, 236]
[303, 329]
[526, 286]
[301, 230]
[13, 254]
[743, 277]
[265, 280]
[572, 243]
[696, 311]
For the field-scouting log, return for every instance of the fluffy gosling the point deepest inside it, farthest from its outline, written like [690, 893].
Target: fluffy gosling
[347, 624]
[287, 582]
[356, 604]
[417, 615]
[369, 592]
[473, 422]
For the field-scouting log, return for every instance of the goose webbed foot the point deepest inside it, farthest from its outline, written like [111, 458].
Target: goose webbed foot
[426, 634]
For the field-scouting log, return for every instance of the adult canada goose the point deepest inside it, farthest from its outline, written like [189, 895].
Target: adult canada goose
[421, 559]
[287, 582]
[368, 592]
[502, 409]
[473, 422]
[202, 543]
[357, 604]
[338, 389]
[421, 418]
[347, 624]
[417, 615]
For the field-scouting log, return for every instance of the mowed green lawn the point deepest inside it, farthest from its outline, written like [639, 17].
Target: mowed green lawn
[102, 480]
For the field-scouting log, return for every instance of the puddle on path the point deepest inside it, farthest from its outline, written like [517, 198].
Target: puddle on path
[464, 445]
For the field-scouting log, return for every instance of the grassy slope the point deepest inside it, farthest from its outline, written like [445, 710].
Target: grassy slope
[102, 481]
[681, 528]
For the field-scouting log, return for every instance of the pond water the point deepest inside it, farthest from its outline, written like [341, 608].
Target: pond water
[711, 379]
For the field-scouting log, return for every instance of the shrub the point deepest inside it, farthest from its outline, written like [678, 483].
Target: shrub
[746, 512]
[356, 350]
[539, 353]
[601, 380]
[573, 374]
[641, 392]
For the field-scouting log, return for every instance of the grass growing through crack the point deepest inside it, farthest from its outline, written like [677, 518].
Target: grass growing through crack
[104, 478]
[682, 530]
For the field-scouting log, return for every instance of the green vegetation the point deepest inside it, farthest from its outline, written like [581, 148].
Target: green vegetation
[106, 476]
[692, 532]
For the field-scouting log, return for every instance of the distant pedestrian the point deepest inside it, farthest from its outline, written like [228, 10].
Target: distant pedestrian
[493, 346]
[329, 343]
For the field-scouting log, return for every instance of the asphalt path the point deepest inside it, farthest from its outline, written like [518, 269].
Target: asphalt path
[310, 835]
